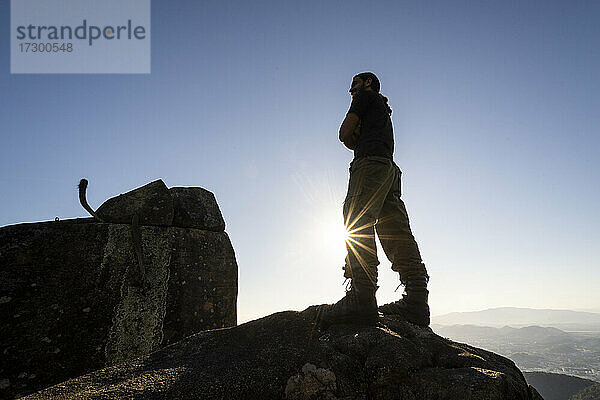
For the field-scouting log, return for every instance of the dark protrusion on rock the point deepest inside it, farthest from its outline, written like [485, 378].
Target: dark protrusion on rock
[136, 238]
[196, 208]
[152, 202]
[83, 184]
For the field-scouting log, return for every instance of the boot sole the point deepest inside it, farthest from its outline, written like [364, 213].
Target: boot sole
[408, 316]
[422, 323]
[367, 320]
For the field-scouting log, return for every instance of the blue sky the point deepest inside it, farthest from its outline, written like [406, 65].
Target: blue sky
[495, 117]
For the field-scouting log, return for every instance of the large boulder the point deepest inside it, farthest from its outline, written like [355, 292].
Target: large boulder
[152, 203]
[196, 208]
[155, 204]
[74, 297]
[287, 356]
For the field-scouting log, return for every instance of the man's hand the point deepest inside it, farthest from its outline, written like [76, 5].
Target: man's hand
[352, 140]
[350, 130]
[356, 132]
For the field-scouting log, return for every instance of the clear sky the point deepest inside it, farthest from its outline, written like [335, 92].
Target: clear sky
[496, 124]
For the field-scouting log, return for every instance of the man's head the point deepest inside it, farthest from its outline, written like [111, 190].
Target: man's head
[364, 81]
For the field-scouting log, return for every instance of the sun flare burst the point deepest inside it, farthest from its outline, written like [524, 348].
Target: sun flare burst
[332, 233]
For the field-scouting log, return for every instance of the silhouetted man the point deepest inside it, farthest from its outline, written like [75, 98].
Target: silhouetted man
[373, 203]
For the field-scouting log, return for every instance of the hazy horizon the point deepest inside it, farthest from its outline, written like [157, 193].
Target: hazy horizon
[537, 309]
[495, 122]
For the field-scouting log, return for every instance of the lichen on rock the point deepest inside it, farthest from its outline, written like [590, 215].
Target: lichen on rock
[138, 319]
[312, 383]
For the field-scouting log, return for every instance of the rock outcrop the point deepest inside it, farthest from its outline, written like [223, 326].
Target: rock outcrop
[287, 356]
[155, 204]
[73, 297]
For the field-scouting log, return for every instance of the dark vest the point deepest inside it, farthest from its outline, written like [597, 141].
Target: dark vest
[376, 131]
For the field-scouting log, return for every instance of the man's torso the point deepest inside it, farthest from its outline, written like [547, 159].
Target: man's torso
[376, 131]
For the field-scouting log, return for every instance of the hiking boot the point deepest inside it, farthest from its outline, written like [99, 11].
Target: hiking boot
[417, 314]
[412, 307]
[358, 306]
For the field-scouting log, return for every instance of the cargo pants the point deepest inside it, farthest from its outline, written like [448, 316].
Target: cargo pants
[373, 204]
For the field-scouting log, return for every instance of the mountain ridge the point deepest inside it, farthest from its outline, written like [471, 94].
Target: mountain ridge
[519, 317]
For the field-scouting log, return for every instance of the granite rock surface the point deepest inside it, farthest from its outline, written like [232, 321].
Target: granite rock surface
[74, 298]
[287, 356]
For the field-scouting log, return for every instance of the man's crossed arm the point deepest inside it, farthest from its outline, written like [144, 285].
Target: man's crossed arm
[347, 130]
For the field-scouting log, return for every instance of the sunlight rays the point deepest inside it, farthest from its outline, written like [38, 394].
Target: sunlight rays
[356, 238]
[369, 204]
[363, 264]
[362, 245]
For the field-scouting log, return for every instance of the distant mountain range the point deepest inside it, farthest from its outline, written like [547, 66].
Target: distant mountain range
[520, 317]
[535, 348]
[537, 334]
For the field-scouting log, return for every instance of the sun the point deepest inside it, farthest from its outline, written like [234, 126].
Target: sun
[331, 233]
